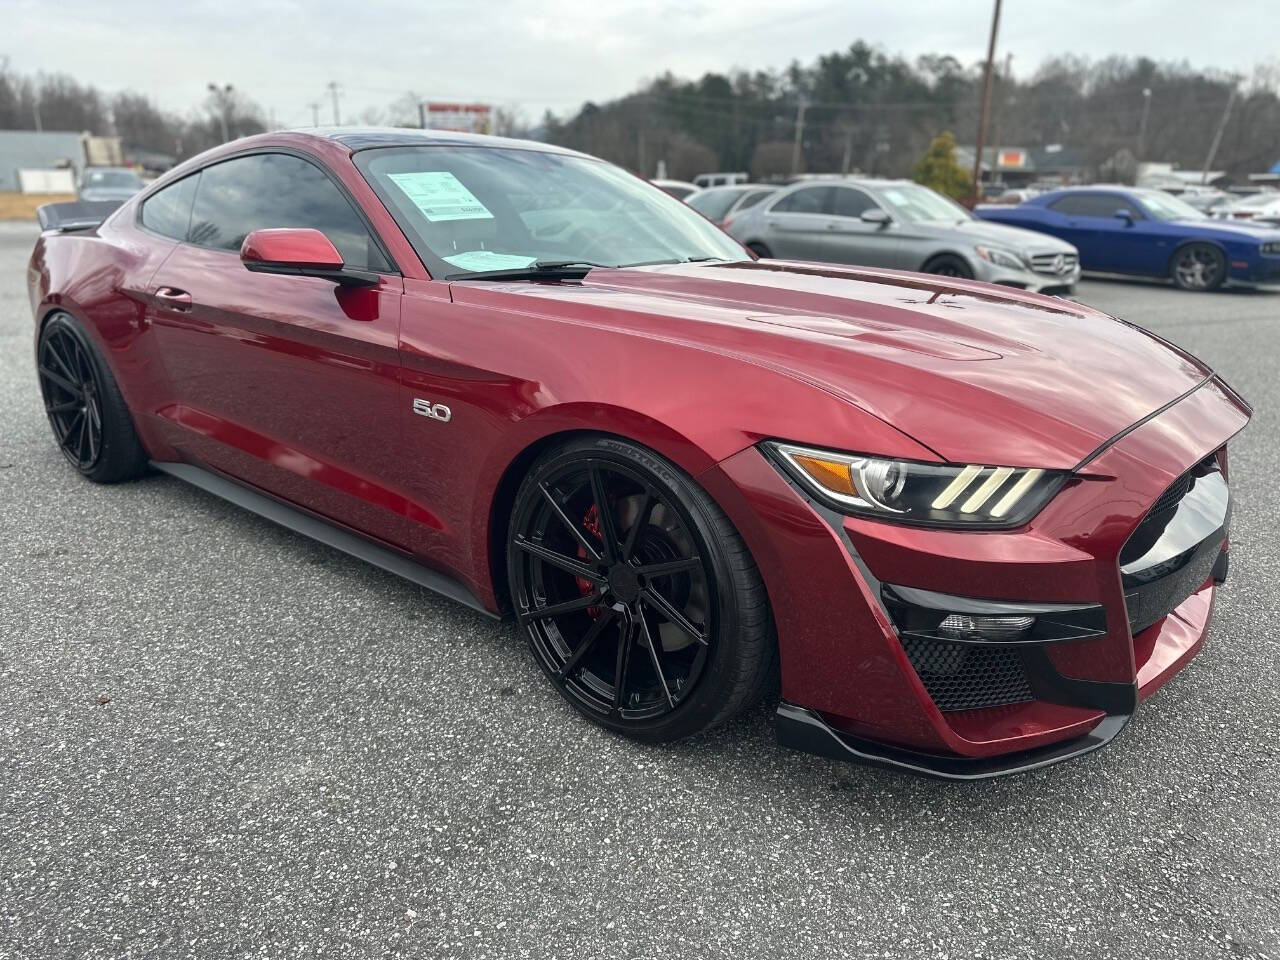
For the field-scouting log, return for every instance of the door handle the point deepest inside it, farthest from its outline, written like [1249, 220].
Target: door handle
[173, 299]
[832, 225]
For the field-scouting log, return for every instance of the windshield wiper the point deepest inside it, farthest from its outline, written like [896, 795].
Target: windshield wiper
[540, 270]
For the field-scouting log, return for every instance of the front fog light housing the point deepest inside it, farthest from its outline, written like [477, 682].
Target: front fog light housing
[962, 620]
[909, 491]
[969, 627]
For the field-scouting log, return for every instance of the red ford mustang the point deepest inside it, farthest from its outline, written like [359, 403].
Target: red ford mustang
[970, 528]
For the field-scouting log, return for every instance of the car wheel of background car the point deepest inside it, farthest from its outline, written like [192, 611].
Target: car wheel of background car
[637, 596]
[949, 265]
[89, 418]
[760, 250]
[1198, 266]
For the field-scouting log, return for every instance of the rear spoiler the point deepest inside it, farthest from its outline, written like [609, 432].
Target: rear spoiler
[78, 215]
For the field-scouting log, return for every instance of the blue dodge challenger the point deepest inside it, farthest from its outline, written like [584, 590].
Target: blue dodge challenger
[1149, 233]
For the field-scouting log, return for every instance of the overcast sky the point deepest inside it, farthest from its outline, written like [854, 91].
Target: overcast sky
[557, 53]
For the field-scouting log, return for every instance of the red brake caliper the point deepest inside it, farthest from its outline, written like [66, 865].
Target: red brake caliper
[591, 523]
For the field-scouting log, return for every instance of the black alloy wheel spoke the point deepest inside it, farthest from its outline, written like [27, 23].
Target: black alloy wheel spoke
[604, 514]
[60, 380]
[662, 606]
[641, 521]
[656, 658]
[568, 564]
[573, 527]
[588, 641]
[62, 407]
[560, 609]
[666, 569]
[60, 360]
[622, 667]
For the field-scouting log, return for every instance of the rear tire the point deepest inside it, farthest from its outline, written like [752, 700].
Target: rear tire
[656, 588]
[90, 421]
[760, 250]
[1199, 267]
[949, 265]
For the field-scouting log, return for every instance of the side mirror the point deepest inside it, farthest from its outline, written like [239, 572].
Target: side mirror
[300, 252]
[875, 215]
[1124, 214]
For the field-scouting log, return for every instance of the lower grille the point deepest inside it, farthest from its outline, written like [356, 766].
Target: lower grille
[1054, 264]
[966, 676]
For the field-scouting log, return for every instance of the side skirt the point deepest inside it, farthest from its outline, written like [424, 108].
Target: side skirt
[322, 531]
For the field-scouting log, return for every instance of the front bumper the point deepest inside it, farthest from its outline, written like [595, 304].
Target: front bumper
[849, 688]
[1032, 280]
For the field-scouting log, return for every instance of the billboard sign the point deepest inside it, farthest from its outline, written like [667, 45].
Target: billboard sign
[456, 117]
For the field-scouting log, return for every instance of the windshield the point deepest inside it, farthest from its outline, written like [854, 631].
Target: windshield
[911, 202]
[111, 178]
[713, 204]
[477, 209]
[1162, 206]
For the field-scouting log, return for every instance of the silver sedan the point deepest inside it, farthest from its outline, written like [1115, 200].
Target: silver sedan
[900, 224]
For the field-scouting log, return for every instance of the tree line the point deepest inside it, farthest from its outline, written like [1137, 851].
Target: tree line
[863, 110]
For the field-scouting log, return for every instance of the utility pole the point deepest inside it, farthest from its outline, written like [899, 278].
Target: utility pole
[986, 103]
[1217, 134]
[1000, 103]
[795, 147]
[315, 113]
[222, 100]
[332, 87]
[35, 108]
[1142, 124]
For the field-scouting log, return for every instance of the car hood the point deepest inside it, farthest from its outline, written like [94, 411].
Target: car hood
[1233, 229]
[975, 372]
[999, 234]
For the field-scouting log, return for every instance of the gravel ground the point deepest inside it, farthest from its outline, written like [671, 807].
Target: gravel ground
[220, 739]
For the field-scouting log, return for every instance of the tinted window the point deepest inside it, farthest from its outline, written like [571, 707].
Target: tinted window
[1093, 205]
[752, 198]
[851, 203]
[806, 200]
[168, 211]
[274, 190]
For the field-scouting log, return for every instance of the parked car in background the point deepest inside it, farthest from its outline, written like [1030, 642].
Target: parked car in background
[1149, 233]
[1014, 195]
[1259, 207]
[109, 183]
[705, 180]
[676, 188]
[900, 224]
[721, 204]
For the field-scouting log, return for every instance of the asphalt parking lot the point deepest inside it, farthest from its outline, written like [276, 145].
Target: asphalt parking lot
[219, 739]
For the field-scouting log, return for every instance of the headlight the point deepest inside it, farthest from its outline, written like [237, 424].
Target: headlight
[1002, 258]
[907, 491]
[1271, 248]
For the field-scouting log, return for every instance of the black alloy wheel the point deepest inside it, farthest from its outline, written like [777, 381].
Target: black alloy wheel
[72, 395]
[622, 583]
[949, 265]
[1198, 266]
[90, 421]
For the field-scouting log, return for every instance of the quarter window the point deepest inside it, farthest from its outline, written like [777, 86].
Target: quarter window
[852, 203]
[268, 190]
[168, 211]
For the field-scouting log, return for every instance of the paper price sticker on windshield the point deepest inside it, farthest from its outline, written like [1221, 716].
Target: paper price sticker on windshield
[439, 195]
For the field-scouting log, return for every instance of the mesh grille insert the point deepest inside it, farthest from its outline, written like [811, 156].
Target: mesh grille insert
[966, 676]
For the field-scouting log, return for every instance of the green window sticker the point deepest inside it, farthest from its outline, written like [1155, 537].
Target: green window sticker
[478, 260]
[439, 195]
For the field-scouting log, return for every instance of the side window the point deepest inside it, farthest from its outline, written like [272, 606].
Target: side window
[1093, 205]
[168, 211]
[808, 200]
[266, 190]
[851, 202]
[752, 198]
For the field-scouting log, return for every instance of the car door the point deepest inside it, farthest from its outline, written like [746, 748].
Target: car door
[289, 383]
[1106, 242]
[850, 239]
[795, 226]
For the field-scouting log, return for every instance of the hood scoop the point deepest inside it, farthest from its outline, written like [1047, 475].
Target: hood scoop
[892, 338]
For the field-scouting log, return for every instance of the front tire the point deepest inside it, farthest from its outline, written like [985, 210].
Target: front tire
[949, 265]
[1199, 267]
[90, 421]
[637, 596]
